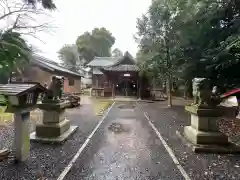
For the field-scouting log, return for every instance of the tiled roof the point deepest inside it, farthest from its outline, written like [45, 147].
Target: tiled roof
[17, 89]
[128, 54]
[113, 64]
[122, 67]
[109, 61]
[52, 66]
[87, 69]
[97, 71]
[103, 61]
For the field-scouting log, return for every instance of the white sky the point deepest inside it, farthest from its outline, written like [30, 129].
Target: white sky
[74, 17]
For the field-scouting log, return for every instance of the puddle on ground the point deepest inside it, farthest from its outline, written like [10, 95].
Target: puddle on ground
[118, 128]
[126, 106]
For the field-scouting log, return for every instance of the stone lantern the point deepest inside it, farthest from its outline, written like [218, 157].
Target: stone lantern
[20, 100]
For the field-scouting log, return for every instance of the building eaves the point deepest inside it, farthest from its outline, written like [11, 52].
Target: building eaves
[52, 66]
[103, 61]
[122, 68]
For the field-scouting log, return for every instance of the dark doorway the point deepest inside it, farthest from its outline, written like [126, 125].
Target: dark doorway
[126, 87]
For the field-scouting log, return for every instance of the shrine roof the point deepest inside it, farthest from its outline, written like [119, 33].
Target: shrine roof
[103, 61]
[112, 61]
[123, 67]
[97, 71]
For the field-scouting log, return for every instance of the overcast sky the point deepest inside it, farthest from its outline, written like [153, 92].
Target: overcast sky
[73, 19]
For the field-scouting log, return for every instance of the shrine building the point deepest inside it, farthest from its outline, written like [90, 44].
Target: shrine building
[117, 76]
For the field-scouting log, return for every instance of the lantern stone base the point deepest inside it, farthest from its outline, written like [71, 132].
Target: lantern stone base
[54, 140]
[52, 130]
[203, 134]
[55, 128]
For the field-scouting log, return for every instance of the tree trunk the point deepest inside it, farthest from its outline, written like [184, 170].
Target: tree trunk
[185, 90]
[10, 78]
[169, 76]
[169, 93]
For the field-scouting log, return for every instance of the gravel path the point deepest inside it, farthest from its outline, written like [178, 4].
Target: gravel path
[49, 160]
[198, 166]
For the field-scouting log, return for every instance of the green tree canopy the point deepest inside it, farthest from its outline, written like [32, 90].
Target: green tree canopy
[211, 46]
[70, 57]
[15, 53]
[13, 48]
[117, 53]
[96, 43]
[191, 38]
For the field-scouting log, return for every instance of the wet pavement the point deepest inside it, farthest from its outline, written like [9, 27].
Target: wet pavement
[124, 147]
[46, 160]
[198, 166]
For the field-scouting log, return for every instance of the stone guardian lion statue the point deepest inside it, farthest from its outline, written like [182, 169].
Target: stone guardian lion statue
[55, 89]
[204, 94]
[201, 91]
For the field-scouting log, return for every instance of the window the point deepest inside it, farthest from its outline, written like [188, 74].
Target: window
[29, 98]
[71, 82]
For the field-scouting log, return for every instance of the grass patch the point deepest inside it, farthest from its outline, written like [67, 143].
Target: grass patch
[100, 105]
[7, 118]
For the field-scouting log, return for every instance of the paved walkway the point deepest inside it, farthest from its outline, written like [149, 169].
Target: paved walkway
[47, 161]
[125, 147]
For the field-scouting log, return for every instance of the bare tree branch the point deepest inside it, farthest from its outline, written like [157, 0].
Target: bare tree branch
[22, 18]
[11, 13]
[34, 36]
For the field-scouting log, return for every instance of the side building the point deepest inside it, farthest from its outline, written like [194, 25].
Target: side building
[41, 69]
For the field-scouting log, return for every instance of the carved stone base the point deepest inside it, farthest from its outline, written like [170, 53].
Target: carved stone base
[203, 134]
[203, 128]
[229, 148]
[205, 137]
[51, 130]
[54, 140]
[55, 127]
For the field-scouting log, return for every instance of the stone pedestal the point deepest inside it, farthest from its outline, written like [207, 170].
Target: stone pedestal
[21, 140]
[55, 128]
[203, 128]
[203, 133]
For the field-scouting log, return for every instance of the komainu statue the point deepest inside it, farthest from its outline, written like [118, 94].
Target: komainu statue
[204, 94]
[55, 89]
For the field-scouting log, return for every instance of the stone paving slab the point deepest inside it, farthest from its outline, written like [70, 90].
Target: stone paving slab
[124, 147]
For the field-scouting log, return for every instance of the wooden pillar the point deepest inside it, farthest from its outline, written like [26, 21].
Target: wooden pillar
[97, 81]
[113, 86]
[138, 87]
[113, 90]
